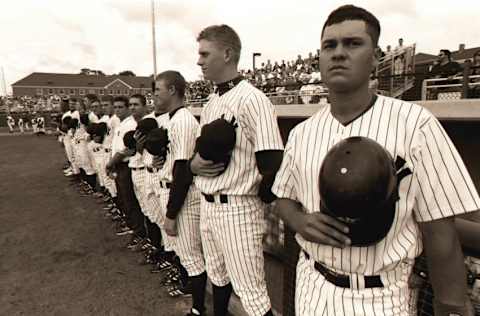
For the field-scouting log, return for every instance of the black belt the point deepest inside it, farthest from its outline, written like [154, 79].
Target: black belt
[344, 280]
[138, 169]
[165, 185]
[152, 170]
[210, 198]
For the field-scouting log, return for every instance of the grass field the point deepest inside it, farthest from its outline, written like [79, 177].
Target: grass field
[59, 256]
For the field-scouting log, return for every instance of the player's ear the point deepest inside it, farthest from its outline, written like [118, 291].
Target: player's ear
[228, 55]
[377, 52]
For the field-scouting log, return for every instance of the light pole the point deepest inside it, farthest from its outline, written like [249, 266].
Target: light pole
[154, 42]
[253, 57]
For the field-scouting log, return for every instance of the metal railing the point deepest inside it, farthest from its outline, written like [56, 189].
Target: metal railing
[451, 88]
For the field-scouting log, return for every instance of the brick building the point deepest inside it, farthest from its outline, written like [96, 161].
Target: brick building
[49, 84]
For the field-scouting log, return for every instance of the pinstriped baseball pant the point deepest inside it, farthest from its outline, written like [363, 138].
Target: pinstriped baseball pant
[157, 216]
[188, 243]
[138, 179]
[232, 236]
[314, 295]
[98, 163]
[108, 182]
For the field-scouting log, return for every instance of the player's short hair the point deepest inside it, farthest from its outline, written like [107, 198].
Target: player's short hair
[447, 52]
[73, 99]
[107, 98]
[121, 98]
[174, 78]
[352, 13]
[223, 35]
[141, 97]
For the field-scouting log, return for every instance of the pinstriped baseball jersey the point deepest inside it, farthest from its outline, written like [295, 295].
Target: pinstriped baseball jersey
[257, 130]
[438, 187]
[151, 178]
[92, 117]
[182, 130]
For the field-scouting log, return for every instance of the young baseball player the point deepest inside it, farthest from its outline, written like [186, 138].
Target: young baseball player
[179, 198]
[20, 125]
[232, 216]
[10, 123]
[334, 277]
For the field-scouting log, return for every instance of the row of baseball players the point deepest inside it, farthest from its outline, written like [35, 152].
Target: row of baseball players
[38, 124]
[211, 213]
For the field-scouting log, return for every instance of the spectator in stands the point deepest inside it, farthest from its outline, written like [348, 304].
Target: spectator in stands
[268, 66]
[388, 52]
[400, 46]
[299, 62]
[445, 67]
[475, 71]
[399, 64]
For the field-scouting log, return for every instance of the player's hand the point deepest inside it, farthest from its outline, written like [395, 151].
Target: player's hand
[158, 162]
[170, 226]
[323, 229]
[207, 168]
[140, 141]
[128, 152]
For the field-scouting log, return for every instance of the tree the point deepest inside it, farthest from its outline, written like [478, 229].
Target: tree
[127, 73]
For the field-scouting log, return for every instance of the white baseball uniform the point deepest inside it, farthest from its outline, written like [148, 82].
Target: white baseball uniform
[112, 123]
[182, 132]
[232, 226]
[67, 141]
[10, 123]
[80, 150]
[20, 125]
[439, 187]
[41, 124]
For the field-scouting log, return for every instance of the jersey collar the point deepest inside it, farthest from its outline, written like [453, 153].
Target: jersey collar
[172, 113]
[226, 86]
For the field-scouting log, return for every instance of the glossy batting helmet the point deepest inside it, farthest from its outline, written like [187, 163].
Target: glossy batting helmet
[358, 186]
[217, 140]
[146, 125]
[129, 141]
[157, 142]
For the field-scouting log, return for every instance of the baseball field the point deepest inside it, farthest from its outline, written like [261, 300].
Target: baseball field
[59, 256]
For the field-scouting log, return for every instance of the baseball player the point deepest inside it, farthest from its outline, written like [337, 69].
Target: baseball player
[10, 123]
[232, 217]
[20, 125]
[34, 123]
[118, 164]
[67, 139]
[333, 277]
[179, 198]
[113, 122]
[95, 109]
[41, 125]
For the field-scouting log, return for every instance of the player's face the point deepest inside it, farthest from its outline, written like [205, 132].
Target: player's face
[347, 56]
[163, 96]
[72, 105]
[96, 108]
[107, 107]
[211, 59]
[121, 109]
[138, 109]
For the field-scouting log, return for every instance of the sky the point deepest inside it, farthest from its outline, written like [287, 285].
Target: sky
[64, 36]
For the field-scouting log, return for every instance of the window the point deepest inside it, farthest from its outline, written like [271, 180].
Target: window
[81, 91]
[50, 91]
[119, 92]
[125, 92]
[39, 91]
[91, 91]
[110, 92]
[62, 91]
[72, 91]
[101, 91]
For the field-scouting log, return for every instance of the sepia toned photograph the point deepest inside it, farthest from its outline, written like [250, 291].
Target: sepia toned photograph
[240, 158]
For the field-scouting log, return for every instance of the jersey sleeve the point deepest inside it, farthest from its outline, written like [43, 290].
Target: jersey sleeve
[284, 184]
[260, 123]
[444, 186]
[184, 133]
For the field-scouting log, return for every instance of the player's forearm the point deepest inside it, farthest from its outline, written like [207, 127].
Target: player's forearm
[445, 261]
[117, 158]
[268, 163]
[182, 179]
[290, 212]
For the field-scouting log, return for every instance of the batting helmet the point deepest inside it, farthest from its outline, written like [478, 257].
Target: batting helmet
[129, 141]
[217, 140]
[146, 125]
[358, 186]
[157, 142]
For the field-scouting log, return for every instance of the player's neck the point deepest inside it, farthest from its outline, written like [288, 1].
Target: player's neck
[347, 106]
[174, 105]
[229, 74]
